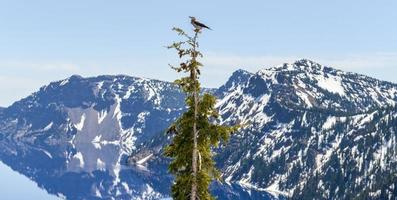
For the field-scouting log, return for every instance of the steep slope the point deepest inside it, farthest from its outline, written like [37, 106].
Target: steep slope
[309, 131]
[238, 78]
[348, 155]
[361, 161]
[308, 85]
[83, 129]
[102, 109]
[284, 110]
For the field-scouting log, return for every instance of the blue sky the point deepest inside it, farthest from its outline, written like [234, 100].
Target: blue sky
[44, 40]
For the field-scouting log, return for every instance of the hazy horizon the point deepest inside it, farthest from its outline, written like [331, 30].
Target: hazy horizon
[44, 41]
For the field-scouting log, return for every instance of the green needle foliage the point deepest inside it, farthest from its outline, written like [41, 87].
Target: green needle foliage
[195, 132]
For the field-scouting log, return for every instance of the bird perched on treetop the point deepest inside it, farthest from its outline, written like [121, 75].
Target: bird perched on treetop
[198, 25]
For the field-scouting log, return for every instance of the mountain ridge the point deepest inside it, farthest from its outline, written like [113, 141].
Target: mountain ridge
[298, 116]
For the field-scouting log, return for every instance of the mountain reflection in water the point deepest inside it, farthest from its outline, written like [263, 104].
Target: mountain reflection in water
[96, 171]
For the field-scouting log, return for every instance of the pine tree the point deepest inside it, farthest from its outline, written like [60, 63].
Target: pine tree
[196, 131]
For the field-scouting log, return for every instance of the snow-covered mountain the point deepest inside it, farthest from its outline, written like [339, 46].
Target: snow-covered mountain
[292, 133]
[104, 109]
[86, 126]
[310, 131]
[291, 115]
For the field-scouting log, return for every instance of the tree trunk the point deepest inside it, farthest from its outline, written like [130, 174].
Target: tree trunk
[195, 132]
[194, 156]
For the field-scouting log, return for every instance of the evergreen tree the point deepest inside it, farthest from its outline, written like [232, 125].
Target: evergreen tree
[196, 131]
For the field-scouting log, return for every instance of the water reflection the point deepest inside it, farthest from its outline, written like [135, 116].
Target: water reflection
[83, 171]
[96, 171]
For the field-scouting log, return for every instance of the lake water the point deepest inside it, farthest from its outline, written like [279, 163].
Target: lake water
[15, 186]
[41, 171]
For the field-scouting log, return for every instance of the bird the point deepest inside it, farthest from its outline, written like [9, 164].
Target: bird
[198, 25]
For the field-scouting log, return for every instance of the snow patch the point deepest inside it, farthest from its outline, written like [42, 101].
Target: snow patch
[332, 84]
[129, 92]
[143, 160]
[97, 139]
[79, 157]
[101, 116]
[305, 98]
[48, 127]
[64, 82]
[274, 190]
[98, 193]
[47, 153]
[100, 84]
[331, 121]
[100, 164]
[79, 126]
